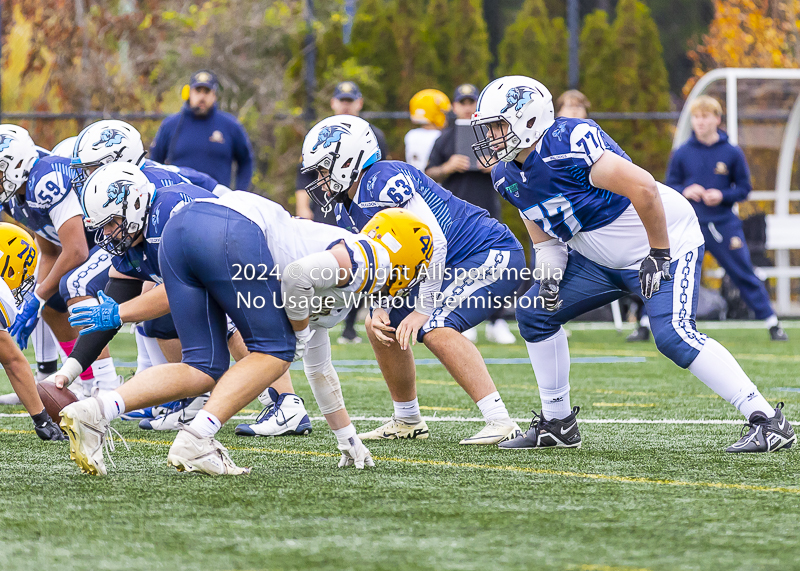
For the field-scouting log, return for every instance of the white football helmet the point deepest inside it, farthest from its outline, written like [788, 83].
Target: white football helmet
[524, 104]
[344, 145]
[17, 155]
[65, 148]
[104, 142]
[118, 191]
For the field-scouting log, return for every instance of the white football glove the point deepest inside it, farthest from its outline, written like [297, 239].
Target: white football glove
[303, 337]
[355, 453]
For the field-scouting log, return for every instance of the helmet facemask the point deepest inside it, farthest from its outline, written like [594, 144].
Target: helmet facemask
[326, 191]
[83, 170]
[27, 285]
[9, 186]
[124, 234]
[493, 146]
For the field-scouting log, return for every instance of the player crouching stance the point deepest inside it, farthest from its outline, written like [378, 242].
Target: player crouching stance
[574, 185]
[224, 258]
[18, 258]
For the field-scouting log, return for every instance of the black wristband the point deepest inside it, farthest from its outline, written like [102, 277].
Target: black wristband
[41, 418]
[659, 252]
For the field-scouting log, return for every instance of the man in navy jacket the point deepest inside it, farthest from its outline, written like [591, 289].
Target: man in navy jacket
[204, 138]
[713, 175]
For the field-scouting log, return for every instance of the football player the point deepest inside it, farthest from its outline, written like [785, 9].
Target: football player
[128, 211]
[475, 260]
[18, 259]
[226, 256]
[574, 185]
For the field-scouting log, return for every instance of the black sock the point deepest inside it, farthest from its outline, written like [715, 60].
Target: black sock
[47, 367]
[41, 418]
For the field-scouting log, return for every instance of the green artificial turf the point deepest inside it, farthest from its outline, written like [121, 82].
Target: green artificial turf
[637, 496]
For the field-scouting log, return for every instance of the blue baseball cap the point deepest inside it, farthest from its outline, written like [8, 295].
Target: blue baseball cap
[466, 91]
[347, 90]
[204, 78]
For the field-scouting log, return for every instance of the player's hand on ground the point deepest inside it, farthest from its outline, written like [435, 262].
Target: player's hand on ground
[457, 163]
[694, 192]
[355, 454]
[49, 431]
[381, 325]
[101, 317]
[407, 330]
[548, 291]
[654, 270]
[712, 197]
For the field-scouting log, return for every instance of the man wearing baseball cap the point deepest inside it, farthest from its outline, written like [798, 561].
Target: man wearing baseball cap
[456, 171]
[204, 138]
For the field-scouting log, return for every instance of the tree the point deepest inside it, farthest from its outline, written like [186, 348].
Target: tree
[459, 37]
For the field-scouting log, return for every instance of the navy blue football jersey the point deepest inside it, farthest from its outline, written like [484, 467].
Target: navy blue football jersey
[191, 176]
[141, 261]
[552, 188]
[467, 228]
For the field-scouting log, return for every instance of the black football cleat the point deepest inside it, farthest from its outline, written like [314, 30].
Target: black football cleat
[776, 333]
[765, 434]
[641, 333]
[545, 433]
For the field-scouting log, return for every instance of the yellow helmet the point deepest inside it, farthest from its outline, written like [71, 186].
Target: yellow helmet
[409, 242]
[18, 258]
[429, 106]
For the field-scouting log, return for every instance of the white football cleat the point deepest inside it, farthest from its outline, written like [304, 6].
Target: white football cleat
[193, 453]
[89, 432]
[471, 334]
[498, 332]
[287, 416]
[495, 432]
[173, 419]
[354, 453]
[10, 398]
[398, 429]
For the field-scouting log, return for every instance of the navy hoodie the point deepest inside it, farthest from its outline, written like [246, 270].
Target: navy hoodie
[721, 166]
[209, 144]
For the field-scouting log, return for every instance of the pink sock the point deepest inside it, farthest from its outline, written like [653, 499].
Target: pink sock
[67, 346]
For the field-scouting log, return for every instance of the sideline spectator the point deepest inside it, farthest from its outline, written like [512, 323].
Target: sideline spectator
[429, 109]
[713, 175]
[573, 104]
[346, 100]
[459, 172]
[204, 138]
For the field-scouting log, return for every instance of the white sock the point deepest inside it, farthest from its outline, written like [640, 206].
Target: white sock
[154, 352]
[105, 375]
[113, 405]
[142, 358]
[343, 435]
[206, 424]
[645, 321]
[407, 410]
[45, 347]
[550, 361]
[492, 407]
[720, 372]
[771, 321]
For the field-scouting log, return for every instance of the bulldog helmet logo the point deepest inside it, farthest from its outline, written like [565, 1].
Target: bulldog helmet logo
[117, 191]
[518, 97]
[329, 135]
[110, 137]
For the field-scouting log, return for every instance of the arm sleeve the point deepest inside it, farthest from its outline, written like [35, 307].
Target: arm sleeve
[740, 185]
[301, 280]
[675, 175]
[66, 209]
[158, 148]
[428, 290]
[243, 153]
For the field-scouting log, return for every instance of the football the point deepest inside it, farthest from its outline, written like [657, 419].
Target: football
[54, 399]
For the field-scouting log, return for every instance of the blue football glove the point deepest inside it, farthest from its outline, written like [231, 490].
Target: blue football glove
[27, 318]
[101, 317]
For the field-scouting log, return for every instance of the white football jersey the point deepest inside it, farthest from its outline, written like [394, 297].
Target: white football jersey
[290, 239]
[8, 307]
[419, 144]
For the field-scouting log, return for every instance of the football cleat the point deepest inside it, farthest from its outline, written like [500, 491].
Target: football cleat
[776, 333]
[194, 453]
[182, 412]
[641, 333]
[286, 417]
[396, 429]
[494, 432]
[556, 433]
[765, 434]
[499, 332]
[89, 432]
[10, 398]
[471, 334]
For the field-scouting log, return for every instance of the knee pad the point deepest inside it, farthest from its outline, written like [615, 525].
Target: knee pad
[324, 381]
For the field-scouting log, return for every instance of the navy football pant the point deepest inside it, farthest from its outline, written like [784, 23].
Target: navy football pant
[201, 247]
[725, 241]
[587, 285]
